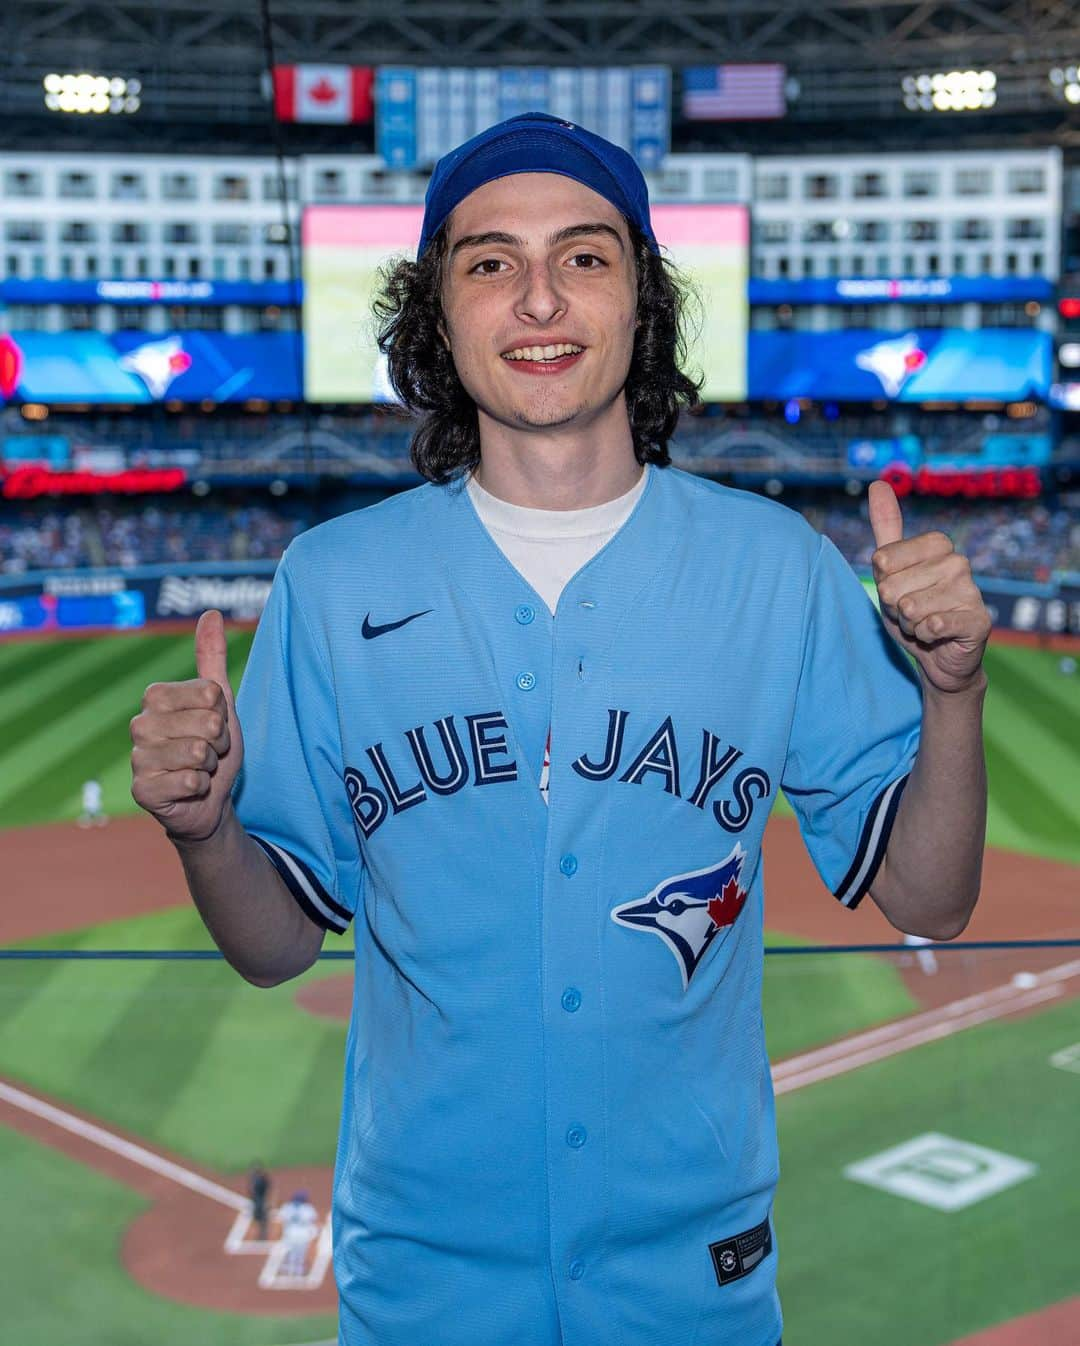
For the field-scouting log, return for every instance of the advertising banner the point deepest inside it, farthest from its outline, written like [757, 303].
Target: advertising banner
[138, 368]
[916, 365]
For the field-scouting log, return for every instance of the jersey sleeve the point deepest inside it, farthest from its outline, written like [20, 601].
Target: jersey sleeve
[289, 794]
[854, 733]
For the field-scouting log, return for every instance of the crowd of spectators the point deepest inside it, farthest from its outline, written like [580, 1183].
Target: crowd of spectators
[1023, 540]
[127, 535]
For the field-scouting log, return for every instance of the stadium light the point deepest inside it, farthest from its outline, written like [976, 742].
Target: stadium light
[86, 93]
[950, 91]
[1069, 355]
[1065, 83]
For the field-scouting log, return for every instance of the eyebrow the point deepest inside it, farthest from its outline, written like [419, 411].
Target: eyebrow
[571, 231]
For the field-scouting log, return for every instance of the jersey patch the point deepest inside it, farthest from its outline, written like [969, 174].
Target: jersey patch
[736, 1257]
[687, 911]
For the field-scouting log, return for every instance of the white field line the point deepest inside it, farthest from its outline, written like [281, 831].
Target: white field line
[878, 1043]
[134, 1154]
[272, 1278]
[237, 1244]
[268, 1276]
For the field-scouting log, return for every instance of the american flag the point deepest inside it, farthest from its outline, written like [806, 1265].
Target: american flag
[715, 93]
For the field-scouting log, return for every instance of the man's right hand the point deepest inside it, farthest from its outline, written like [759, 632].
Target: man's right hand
[187, 742]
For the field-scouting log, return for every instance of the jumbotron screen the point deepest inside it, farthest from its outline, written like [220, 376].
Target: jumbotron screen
[344, 247]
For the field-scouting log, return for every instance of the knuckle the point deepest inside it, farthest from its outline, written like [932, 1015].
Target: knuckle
[215, 724]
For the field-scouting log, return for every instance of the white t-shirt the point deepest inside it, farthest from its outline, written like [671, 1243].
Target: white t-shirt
[549, 546]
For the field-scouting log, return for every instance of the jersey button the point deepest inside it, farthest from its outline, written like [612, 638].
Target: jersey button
[526, 681]
[524, 614]
[577, 1269]
[571, 999]
[568, 865]
[576, 1137]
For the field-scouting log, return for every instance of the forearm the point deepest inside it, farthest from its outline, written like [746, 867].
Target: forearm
[251, 915]
[929, 880]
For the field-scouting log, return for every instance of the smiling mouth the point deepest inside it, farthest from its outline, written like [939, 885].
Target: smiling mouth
[543, 354]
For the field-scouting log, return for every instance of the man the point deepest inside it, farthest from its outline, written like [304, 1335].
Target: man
[299, 1226]
[558, 1121]
[259, 1191]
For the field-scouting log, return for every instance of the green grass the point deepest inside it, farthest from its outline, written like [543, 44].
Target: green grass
[814, 998]
[859, 1265]
[64, 716]
[1032, 736]
[185, 1054]
[66, 705]
[60, 1253]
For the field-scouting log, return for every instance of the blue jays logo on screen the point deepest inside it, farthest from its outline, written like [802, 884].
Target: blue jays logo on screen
[158, 363]
[894, 361]
[687, 911]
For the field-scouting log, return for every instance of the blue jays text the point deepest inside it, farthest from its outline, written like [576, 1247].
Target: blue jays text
[486, 762]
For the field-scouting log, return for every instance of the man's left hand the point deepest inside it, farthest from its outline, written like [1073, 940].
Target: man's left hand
[929, 601]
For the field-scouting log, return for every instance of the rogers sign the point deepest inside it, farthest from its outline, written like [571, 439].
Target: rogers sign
[25, 483]
[1001, 483]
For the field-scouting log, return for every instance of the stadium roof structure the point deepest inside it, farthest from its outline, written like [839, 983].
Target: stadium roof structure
[202, 63]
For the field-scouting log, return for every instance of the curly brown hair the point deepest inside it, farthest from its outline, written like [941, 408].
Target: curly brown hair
[409, 316]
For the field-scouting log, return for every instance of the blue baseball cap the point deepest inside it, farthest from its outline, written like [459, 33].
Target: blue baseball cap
[536, 142]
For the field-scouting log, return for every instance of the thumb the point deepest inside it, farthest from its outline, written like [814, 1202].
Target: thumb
[210, 650]
[885, 517]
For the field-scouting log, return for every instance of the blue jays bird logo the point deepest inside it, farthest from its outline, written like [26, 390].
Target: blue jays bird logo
[688, 910]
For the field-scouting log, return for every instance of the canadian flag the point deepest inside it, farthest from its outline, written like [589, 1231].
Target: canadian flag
[322, 93]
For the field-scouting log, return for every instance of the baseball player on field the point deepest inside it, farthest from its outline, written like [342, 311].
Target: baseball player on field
[524, 726]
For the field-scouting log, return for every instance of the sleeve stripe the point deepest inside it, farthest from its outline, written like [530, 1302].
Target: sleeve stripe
[875, 837]
[313, 898]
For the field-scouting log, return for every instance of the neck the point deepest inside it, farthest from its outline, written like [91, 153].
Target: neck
[558, 468]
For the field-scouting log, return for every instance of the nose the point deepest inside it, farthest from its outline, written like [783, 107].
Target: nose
[540, 299]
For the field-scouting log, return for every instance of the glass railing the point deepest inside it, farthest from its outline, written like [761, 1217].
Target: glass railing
[927, 1103]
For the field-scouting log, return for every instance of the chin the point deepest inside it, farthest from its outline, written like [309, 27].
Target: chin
[549, 419]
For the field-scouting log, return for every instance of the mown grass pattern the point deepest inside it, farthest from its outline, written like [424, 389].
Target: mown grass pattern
[47, 747]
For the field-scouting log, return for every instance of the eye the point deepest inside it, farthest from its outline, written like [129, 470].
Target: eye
[587, 261]
[487, 266]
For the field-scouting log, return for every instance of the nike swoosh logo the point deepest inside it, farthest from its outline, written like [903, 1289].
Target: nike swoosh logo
[369, 632]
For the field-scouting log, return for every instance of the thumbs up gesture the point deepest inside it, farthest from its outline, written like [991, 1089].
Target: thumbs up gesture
[929, 601]
[187, 742]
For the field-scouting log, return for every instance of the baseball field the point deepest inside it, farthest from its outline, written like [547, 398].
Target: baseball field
[926, 1103]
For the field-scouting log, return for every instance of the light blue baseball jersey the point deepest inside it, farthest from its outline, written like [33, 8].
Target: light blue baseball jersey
[558, 1124]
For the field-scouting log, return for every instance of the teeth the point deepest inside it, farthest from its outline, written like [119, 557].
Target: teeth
[543, 352]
